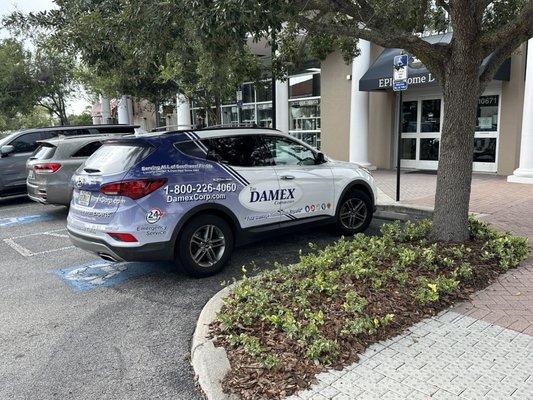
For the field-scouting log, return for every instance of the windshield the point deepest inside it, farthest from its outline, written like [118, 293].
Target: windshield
[114, 158]
[6, 139]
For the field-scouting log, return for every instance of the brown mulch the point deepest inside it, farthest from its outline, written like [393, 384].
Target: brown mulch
[250, 380]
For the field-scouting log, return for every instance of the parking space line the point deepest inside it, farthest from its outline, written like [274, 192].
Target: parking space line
[28, 253]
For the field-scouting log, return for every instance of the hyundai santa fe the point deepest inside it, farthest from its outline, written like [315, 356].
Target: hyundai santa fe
[192, 196]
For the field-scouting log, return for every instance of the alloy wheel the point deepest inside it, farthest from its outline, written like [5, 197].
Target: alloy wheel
[353, 213]
[207, 245]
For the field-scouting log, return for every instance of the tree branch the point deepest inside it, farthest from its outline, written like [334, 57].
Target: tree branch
[432, 55]
[443, 4]
[511, 34]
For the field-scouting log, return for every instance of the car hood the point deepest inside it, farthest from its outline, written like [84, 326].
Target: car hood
[344, 164]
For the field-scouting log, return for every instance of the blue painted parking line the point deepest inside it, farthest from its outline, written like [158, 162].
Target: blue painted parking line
[24, 219]
[101, 273]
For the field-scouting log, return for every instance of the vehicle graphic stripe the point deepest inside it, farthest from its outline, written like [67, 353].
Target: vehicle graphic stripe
[198, 144]
[234, 174]
[194, 137]
[199, 140]
[291, 217]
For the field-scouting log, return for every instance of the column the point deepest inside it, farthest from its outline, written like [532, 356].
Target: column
[359, 108]
[183, 112]
[524, 173]
[282, 106]
[105, 110]
[130, 110]
[123, 113]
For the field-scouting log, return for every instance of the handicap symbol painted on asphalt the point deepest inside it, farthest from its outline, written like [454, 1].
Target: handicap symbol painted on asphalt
[103, 273]
[24, 219]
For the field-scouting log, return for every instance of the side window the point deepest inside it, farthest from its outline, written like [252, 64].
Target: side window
[288, 152]
[74, 132]
[48, 135]
[239, 151]
[87, 150]
[189, 148]
[26, 143]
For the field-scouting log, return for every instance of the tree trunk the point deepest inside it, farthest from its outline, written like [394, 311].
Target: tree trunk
[461, 93]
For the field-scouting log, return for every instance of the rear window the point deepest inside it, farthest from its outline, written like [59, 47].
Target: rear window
[114, 158]
[44, 152]
[87, 150]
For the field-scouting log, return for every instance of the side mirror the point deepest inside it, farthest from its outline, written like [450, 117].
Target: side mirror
[320, 158]
[6, 149]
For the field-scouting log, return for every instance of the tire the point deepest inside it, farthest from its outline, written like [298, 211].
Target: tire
[205, 245]
[360, 211]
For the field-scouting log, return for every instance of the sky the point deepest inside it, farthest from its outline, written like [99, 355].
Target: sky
[78, 103]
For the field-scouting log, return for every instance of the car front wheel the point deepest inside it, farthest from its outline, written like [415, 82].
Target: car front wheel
[355, 212]
[205, 245]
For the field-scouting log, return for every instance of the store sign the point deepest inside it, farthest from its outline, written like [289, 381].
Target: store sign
[400, 72]
[384, 83]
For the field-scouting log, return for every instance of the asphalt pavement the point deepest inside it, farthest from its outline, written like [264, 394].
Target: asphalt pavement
[73, 326]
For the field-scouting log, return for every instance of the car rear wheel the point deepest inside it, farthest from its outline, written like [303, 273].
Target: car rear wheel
[205, 245]
[355, 212]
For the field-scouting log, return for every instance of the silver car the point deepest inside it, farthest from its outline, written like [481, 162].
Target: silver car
[53, 163]
[16, 147]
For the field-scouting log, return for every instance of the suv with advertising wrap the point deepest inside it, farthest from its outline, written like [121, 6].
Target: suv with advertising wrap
[191, 196]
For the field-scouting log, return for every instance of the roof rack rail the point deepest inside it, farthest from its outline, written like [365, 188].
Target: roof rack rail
[174, 128]
[233, 125]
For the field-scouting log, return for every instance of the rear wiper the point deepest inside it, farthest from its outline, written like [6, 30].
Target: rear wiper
[91, 170]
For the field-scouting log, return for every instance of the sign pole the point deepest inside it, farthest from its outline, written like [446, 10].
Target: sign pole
[273, 50]
[399, 144]
[400, 83]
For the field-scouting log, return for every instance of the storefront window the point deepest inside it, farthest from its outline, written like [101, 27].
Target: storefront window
[429, 149]
[408, 149]
[485, 150]
[248, 94]
[304, 115]
[230, 115]
[248, 114]
[304, 86]
[409, 116]
[263, 91]
[487, 113]
[430, 116]
[264, 115]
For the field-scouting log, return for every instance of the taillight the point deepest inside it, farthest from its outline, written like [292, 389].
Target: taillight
[123, 237]
[132, 189]
[46, 168]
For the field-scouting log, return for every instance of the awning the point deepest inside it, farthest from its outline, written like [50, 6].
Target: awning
[379, 75]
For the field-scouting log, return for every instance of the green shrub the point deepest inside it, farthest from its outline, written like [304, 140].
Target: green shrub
[343, 291]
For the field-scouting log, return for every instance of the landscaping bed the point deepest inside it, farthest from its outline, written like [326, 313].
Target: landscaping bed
[284, 326]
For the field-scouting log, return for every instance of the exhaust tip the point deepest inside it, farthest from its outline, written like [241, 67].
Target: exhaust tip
[107, 257]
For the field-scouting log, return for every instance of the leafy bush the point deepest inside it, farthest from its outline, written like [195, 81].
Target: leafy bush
[358, 290]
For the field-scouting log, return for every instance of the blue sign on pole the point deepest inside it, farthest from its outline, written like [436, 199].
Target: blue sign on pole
[400, 73]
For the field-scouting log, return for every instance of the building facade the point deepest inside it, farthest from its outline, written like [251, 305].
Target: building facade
[351, 113]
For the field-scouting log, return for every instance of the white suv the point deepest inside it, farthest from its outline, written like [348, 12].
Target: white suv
[191, 196]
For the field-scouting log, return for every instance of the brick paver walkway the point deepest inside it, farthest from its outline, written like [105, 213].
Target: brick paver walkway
[481, 349]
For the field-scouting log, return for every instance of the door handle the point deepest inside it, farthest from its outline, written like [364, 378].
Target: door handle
[223, 180]
[287, 177]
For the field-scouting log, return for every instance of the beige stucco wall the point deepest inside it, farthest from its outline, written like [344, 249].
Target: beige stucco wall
[512, 102]
[380, 129]
[335, 106]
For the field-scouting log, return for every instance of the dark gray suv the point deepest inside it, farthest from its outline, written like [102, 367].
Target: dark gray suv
[17, 147]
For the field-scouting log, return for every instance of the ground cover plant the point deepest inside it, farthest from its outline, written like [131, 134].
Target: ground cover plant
[283, 326]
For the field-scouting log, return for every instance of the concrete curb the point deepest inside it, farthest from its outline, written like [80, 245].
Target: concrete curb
[402, 212]
[210, 363]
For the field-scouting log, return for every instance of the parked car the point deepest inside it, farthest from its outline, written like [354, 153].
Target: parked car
[52, 164]
[16, 148]
[190, 196]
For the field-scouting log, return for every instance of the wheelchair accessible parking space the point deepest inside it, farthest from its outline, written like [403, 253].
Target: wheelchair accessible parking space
[100, 273]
